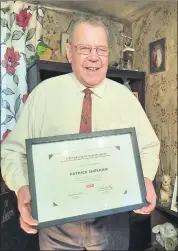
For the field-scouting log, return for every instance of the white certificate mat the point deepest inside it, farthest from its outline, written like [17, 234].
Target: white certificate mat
[81, 176]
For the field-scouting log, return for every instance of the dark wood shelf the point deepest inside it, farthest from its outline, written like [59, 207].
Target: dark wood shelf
[158, 247]
[167, 210]
[66, 68]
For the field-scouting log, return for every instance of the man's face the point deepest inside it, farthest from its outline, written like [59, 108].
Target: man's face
[89, 69]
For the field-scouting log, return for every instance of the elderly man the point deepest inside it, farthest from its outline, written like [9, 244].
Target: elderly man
[59, 106]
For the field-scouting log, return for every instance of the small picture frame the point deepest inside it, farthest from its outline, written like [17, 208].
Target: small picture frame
[157, 56]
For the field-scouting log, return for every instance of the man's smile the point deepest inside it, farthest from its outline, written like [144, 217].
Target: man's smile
[92, 68]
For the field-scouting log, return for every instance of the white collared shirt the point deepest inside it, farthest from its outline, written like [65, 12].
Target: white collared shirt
[54, 108]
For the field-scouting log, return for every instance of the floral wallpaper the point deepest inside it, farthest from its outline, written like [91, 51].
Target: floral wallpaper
[161, 88]
[55, 23]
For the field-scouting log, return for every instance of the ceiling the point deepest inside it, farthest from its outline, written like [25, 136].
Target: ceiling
[124, 11]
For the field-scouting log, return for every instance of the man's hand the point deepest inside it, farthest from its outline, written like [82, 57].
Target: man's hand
[150, 197]
[26, 220]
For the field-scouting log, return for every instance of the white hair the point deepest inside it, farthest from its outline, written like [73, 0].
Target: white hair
[94, 21]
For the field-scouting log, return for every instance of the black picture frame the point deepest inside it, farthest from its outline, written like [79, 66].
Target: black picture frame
[82, 136]
[157, 56]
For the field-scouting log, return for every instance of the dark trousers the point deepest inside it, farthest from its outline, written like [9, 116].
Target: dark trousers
[104, 233]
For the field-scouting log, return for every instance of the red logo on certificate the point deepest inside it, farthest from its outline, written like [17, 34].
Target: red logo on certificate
[89, 185]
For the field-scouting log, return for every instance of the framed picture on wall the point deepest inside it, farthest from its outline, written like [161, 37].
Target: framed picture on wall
[157, 56]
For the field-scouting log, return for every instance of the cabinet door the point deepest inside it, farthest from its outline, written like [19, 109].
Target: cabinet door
[138, 89]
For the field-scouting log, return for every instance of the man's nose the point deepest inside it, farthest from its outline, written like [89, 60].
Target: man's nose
[93, 56]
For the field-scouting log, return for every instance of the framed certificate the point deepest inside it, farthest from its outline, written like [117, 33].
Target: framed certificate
[87, 175]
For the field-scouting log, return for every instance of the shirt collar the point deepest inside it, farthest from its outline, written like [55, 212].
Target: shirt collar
[97, 90]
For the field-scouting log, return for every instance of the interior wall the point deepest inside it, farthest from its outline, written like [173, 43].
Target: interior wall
[161, 88]
[55, 23]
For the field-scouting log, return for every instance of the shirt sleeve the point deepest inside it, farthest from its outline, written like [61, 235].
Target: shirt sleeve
[13, 149]
[148, 143]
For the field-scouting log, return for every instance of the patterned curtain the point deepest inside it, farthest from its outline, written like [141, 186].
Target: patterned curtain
[21, 32]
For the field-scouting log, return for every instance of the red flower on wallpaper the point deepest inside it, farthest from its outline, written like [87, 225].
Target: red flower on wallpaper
[25, 96]
[10, 61]
[23, 18]
[5, 134]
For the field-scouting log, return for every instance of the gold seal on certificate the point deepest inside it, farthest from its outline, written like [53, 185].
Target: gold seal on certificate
[81, 176]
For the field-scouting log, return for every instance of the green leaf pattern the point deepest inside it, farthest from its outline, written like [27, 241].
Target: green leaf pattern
[17, 104]
[30, 34]
[4, 22]
[7, 120]
[17, 35]
[5, 10]
[12, 18]
[31, 47]
[7, 37]
[8, 91]
[16, 79]
[40, 19]
[5, 104]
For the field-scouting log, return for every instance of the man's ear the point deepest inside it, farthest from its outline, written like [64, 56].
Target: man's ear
[69, 52]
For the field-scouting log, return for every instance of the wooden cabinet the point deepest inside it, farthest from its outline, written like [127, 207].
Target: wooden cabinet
[162, 215]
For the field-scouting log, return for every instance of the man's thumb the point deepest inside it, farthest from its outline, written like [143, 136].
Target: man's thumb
[24, 194]
[27, 197]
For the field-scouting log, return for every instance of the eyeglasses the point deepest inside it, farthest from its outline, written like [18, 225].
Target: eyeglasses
[86, 49]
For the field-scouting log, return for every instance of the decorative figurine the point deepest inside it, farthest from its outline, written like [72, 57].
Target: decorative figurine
[165, 191]
[166, 235]
[128, 52]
